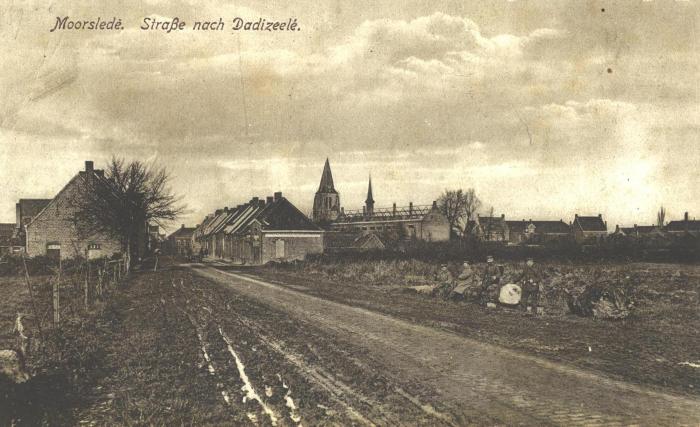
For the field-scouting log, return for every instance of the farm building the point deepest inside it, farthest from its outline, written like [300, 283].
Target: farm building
[260, 231]
[180, 241]
[684, 226]
[54, 231]
[529, 231]
[491, 228]
[638, 231]
[589, 229]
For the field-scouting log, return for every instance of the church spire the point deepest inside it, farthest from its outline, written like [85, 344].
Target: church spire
[369, 192]
[326, 185]
[369, 203]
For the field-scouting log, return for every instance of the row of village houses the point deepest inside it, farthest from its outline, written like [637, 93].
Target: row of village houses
[272, 228]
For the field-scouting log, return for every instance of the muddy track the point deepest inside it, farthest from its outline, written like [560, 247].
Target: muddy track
[476, 382]
[337, 398]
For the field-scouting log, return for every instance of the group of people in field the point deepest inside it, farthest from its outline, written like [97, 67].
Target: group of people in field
[492, 286]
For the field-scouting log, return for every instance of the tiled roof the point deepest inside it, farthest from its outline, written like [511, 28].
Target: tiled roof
[185, 232]
[689, 225]
[590, 223]
[551, 227]
[541, 227]
[274, 214]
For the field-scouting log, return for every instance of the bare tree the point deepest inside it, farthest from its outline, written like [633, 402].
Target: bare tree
[459, 207]
[661, 217]
[122, 201]
[471, 206]
[452, 203]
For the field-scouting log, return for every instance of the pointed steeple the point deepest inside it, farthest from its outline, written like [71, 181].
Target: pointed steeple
[369, 203]
[370, 199]
[326, 185]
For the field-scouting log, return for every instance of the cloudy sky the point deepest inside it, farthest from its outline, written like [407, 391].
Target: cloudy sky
[546, 108]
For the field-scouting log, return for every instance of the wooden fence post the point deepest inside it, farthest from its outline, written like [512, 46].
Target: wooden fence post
[87, 285]
[31, 296]
[57, 298]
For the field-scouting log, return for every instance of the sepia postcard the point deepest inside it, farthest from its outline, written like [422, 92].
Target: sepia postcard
[366, 213]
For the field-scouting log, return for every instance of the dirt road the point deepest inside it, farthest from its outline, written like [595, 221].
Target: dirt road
[462, 380]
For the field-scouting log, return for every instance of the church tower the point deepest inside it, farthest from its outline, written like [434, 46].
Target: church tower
[369, 203]
[327, 200]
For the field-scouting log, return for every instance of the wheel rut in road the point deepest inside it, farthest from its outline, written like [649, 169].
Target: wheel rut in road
[473, 378]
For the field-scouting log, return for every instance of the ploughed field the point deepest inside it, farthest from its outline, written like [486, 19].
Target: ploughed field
[202, 345]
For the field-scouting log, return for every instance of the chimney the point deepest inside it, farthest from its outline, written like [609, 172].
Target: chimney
[254, 201]
[503, 216]
[410, 208]
[364, 210]
[183, 226]
[261, 203]
[576, 216]
[434, 204]
[278, 195]
[530, 219]
[269, 199]
[685, 217]
[89, 166]
[393, 210]
[600, 216]
[342, 210]
[218, 212]
[225, 208]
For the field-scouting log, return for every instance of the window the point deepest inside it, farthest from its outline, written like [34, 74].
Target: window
[93, 246]
[279, 249]
[53, 251]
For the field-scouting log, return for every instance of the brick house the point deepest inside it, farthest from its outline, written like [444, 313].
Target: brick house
[180, 241]
[684, 226]
[53, 231]
[491, 228]
[537, 231]
[589, 229]
[638, 231]
[260, 231]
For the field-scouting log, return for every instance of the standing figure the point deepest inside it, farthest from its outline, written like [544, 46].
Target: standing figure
[531, 280]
